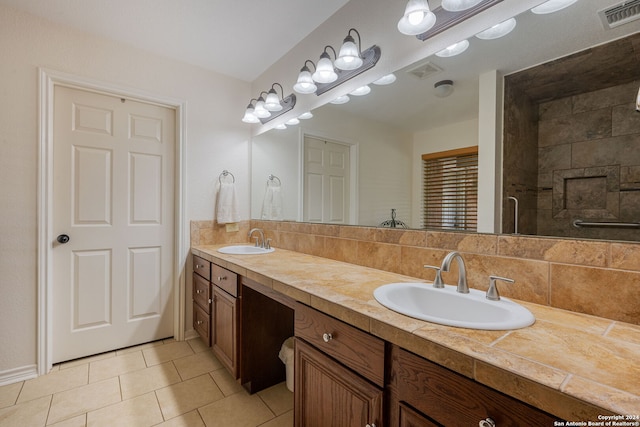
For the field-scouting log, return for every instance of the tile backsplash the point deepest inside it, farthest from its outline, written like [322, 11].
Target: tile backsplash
[601, 278]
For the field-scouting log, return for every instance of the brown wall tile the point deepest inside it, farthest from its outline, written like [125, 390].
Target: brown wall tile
[614, 294]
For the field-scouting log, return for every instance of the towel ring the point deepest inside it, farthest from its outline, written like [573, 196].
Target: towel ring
[225, 173]
[273, 178]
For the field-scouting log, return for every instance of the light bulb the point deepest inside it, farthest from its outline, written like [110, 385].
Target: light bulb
[498, 30]
[417, 18]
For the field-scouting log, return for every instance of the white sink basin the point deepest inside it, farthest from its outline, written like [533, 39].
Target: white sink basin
[448, 307]
[244, 250]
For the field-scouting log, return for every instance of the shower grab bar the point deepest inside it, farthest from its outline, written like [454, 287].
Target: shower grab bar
[515, 214]
[580, 223]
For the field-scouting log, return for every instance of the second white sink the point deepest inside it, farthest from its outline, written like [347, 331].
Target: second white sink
[448, 307]
[244, 250]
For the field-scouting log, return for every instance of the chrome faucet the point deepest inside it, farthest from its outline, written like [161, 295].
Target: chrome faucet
[463, 287]
[259, 240]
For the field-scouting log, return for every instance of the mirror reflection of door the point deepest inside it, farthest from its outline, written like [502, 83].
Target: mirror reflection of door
[326, 171]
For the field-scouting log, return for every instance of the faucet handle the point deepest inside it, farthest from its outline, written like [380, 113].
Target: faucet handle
[267, 244]
[437, 282]
[257, 239]
[492, 292]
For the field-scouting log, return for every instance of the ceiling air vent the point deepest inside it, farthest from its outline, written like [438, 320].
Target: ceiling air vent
[620, 13]
[425, 70]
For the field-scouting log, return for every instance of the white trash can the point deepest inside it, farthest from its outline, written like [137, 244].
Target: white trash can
[286, 355]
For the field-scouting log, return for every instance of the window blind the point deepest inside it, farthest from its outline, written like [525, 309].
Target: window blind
[450, 182]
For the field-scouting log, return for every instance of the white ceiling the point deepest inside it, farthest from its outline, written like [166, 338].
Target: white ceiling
[232, 37]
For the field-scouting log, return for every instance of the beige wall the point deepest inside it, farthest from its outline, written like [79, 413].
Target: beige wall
[383, 171]
[216, 140]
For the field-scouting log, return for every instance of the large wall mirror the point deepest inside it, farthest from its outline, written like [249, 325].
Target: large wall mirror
[545, 67]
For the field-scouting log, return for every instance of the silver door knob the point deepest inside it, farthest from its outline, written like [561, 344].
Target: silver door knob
[63, 238]
[488, 422]
[326, 337]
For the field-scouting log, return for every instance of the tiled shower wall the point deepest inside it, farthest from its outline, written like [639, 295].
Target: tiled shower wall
[589, 163]
[593, 277]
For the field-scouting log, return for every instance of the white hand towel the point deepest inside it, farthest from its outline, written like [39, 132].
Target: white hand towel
[272, 204]
[227, 206]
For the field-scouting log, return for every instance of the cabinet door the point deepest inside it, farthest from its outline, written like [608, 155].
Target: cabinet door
[224, 329]
[328, 394]
[411, 418]
[201, 321]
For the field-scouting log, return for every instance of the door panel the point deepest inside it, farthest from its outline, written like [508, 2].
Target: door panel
[113, 193]
[326, 181]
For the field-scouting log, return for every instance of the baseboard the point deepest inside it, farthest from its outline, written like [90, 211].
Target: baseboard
[190, 334]
[18, 374]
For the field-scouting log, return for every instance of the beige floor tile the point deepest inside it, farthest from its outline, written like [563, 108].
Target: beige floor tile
[31, 413]
[140, 347]
[166, 352]
[9, 394]
[79, 421]
[237, 410]
[197, 345]
[149, 379]
[140, 411]
[228, 385]
[71, 403]
[196, 364]
[186, 396]
[54, 382]
[284, 420]
[108, 368]
[190, 419]
[86, 360]
[278, 398]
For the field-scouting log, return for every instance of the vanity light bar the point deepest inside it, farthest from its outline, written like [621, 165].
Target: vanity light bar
[446, 19]
[370, 58]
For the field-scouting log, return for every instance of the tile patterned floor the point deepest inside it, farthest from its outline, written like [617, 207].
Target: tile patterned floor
[164, 383]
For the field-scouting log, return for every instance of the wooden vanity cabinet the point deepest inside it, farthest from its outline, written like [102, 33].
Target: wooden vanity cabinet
[339, 373]
[225, 315]
[431, 395]
[202, 298]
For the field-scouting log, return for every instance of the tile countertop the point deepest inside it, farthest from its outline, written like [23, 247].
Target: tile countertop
[572, 365]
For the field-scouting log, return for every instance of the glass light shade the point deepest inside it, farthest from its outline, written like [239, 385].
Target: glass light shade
[249, 116]
[305, 116]
[362, 90]
[349, 57]
[498, 30]
[260, 111]
[292, 122]
[552, 6]
[272, 103]
[454, 49]
[458, 5]
[443, 88]
[281, 126]
[305, 83]
[385, 80]
[324, 70]
[341, 100]
[417, 18]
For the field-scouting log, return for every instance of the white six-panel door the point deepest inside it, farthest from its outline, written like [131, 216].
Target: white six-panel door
[113, 196]
[326, 181]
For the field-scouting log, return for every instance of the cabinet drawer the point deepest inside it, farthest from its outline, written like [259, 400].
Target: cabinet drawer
[202, 292]
[201, 321]
[452, 399]
[225, 279]
[354, 348]
[202, 267]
